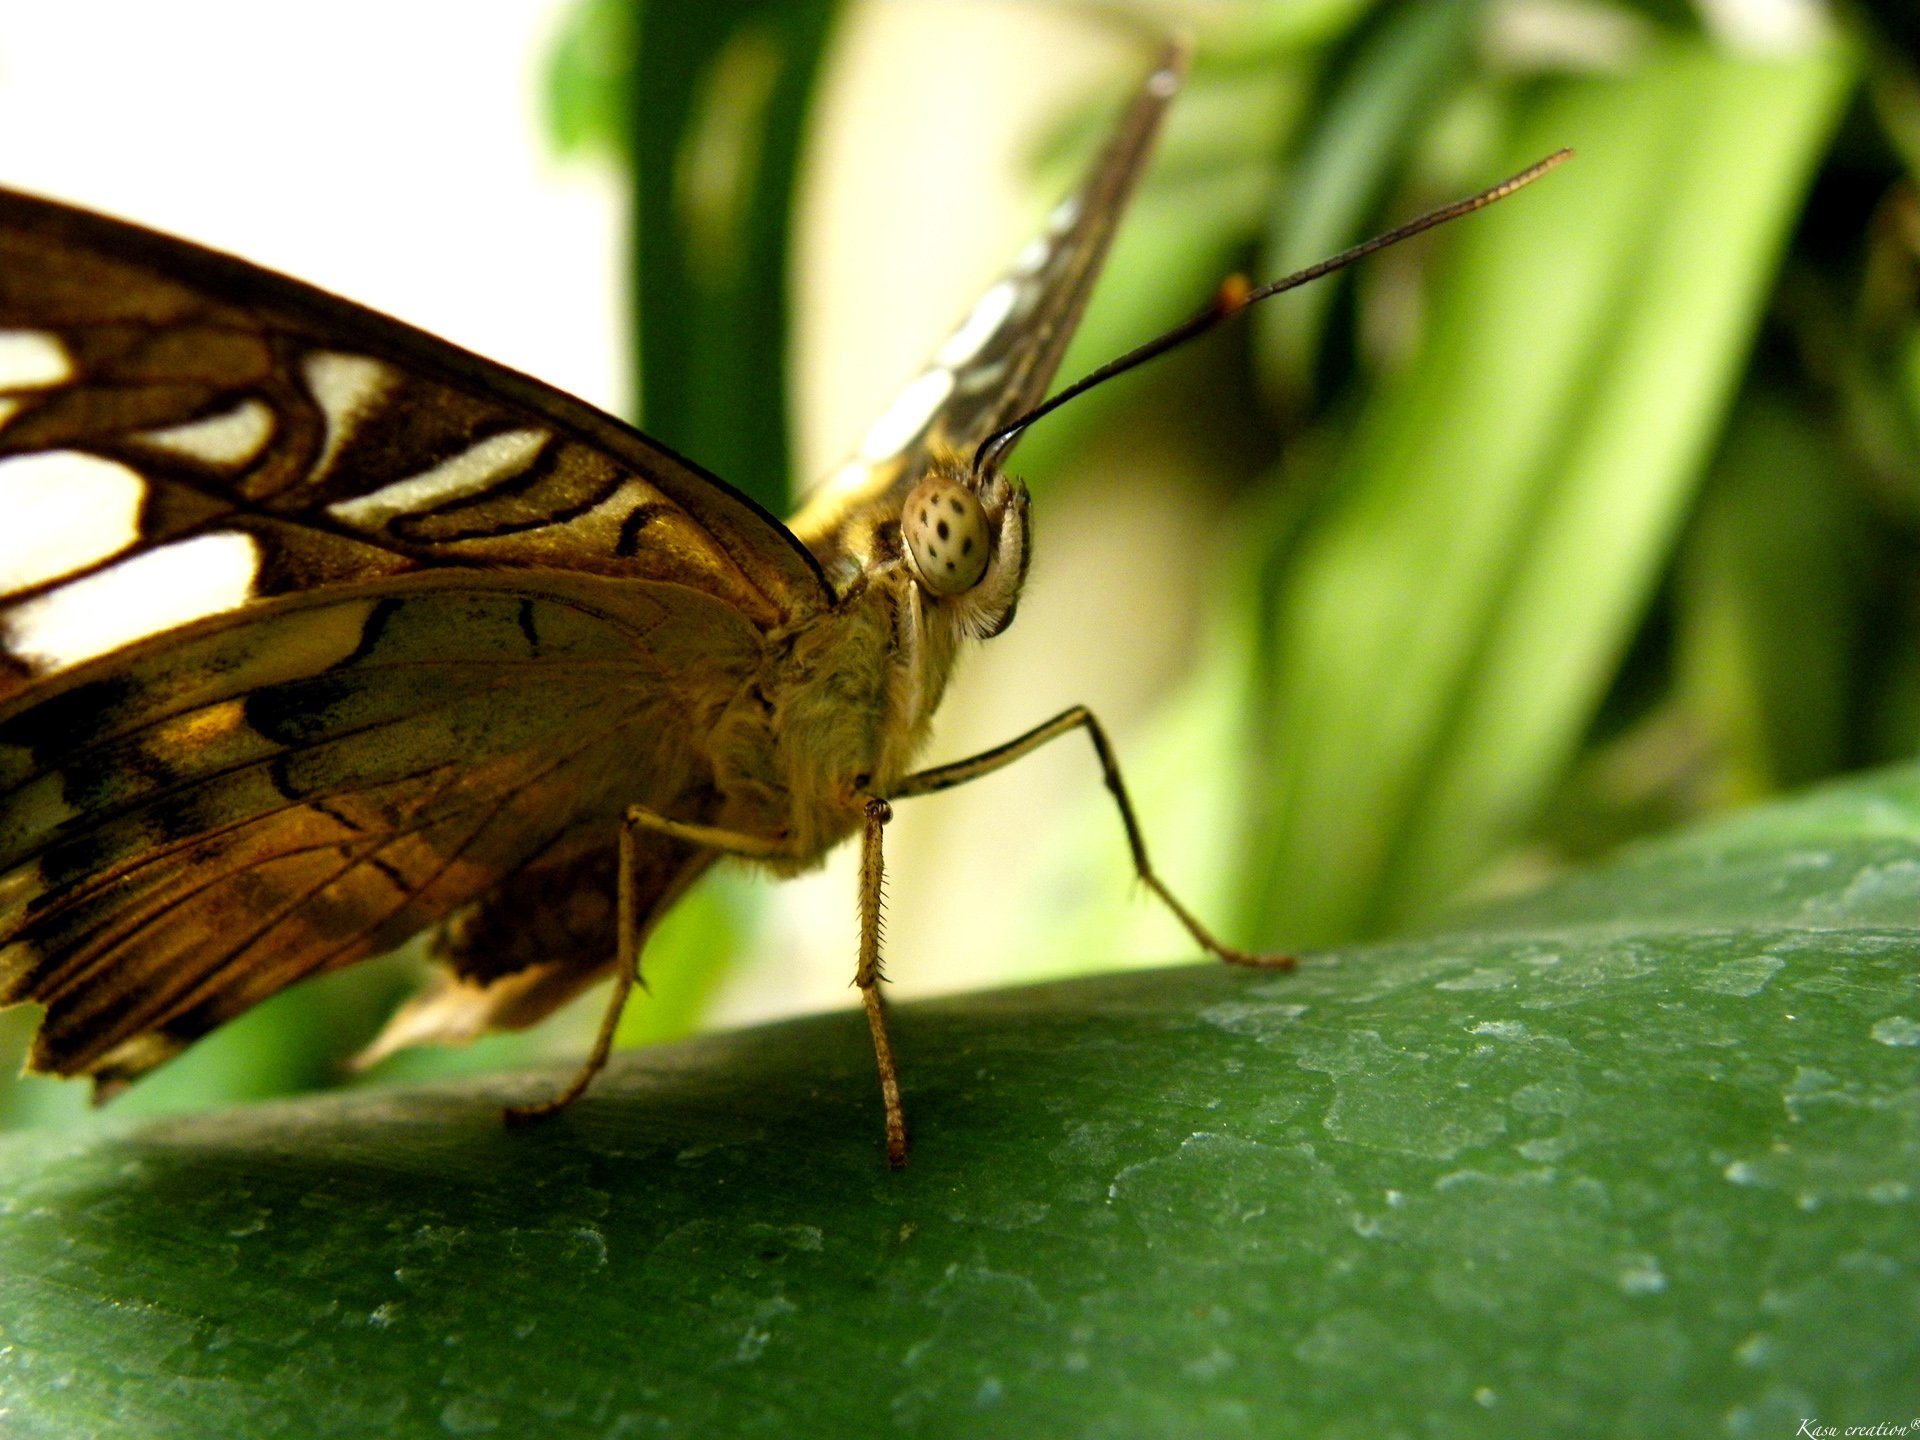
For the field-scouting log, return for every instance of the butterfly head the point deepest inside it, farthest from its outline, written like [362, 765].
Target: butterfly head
[964, 538]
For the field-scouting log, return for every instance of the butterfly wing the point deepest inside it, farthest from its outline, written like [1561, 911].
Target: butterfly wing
[192, 394]
[314, 629]
[998, 363]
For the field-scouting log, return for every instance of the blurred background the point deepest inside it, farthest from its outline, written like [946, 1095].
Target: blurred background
[1589, 515]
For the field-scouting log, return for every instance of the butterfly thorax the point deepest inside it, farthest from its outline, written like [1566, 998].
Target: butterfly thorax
[845, 700]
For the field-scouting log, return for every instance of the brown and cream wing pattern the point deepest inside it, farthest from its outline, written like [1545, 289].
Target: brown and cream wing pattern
[313, 630]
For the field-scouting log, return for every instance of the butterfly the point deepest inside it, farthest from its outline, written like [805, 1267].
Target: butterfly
[317, 632]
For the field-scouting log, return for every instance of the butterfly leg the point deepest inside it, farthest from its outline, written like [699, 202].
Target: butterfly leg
[626, 970]
[944, 777]
[868, 977]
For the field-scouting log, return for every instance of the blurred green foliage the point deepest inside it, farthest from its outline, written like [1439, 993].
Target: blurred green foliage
[1591, 515]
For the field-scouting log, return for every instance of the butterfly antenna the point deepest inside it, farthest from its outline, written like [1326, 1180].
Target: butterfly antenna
[1235, 295]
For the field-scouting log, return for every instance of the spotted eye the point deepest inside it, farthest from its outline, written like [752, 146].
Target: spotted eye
[946, 534]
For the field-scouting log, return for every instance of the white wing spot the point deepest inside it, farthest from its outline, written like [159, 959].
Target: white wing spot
[65, 511]
[1063, 216]
[989, 314]
[32, 360]
[346, 388]
[1032, 257]
[976, 378]
[96, 614]
[1162, 83]
[233, 437]
[907, 416]
[481, 464]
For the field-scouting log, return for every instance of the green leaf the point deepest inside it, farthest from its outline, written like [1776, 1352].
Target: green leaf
[721, 96]
[1639, 1156]
[1507, 504]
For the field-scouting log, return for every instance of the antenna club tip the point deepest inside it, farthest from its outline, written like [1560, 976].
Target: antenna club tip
[1235, 294]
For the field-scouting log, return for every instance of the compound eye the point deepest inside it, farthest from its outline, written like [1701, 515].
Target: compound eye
[946, 534]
